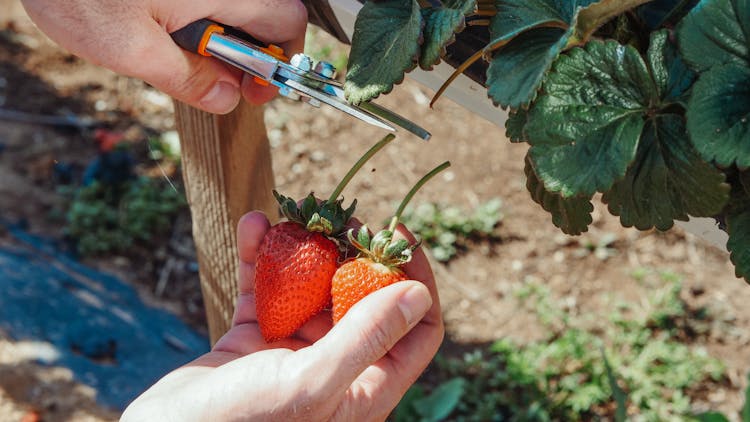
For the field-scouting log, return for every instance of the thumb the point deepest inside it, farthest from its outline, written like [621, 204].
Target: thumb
[202, 82]
[368, 331]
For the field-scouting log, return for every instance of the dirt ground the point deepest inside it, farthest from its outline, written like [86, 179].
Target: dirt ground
[312, 148]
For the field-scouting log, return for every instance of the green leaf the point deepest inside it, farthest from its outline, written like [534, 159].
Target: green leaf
[746, 408]
[656, 14]
[738, 225]
[441, 25]
[385, 46]
[529, 35]
[514, 126]
[716, 32]
[571, 215]
[667, 181]
[533, 34]
[584, 130]
[515, 73]
[517, 16]
[621, 413]
[672, 76]
[745, 180]
[405, 411]
[719, 115]
[712, 417]
[438, 405]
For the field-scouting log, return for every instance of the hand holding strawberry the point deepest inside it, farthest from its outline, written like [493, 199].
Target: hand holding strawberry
[357, 370]
[298, 258]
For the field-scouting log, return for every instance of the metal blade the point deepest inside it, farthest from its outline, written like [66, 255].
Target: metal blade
[335, 89]
[336, 103]
[396, 119]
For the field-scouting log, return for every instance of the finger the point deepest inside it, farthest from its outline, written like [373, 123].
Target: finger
[280, 22]
[244, 311]
[419, 269]
[245, 339]
[199, 81]
[255, 93]
[250, 231]
[388, 379]
[367, 332]
[316, 328]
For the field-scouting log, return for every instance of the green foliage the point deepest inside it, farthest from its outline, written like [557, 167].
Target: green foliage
[646, 102]
[381, 54]
[619, 119]
[104, 218]
[571, 215]
[446, 229]
[529, 36]
[739, 239]
[634, 362]
[715, 40]
[416, 406]
[440, 27]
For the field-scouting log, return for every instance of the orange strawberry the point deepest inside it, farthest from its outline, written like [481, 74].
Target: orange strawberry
[297, 259]
[379, 261]
[376, 266]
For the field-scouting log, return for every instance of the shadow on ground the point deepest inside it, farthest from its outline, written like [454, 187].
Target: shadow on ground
[96, 325]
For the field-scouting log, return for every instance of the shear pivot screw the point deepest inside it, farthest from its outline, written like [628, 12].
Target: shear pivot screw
[302, 62]
[325, 69]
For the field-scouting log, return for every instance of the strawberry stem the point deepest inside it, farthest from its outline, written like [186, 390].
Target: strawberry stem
[358, 165]
[410, 195]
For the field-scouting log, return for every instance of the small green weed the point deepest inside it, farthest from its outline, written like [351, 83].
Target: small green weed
[446, 229]
[111, 218]
[635, 365]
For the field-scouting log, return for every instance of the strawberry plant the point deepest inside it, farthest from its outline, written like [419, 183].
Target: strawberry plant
[645, 102]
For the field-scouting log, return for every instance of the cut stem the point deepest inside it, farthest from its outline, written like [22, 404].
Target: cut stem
[414, 189]
[358, 165]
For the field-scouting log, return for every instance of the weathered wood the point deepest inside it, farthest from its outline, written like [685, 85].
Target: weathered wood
[227, 169]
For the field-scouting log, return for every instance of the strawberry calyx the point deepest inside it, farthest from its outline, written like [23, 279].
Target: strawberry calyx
[325, 217]
[381, 247]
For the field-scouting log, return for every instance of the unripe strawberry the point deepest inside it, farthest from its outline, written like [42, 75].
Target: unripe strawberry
[377, 266]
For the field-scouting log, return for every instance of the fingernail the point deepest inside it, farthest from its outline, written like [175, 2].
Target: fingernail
[415, 303]
[222, 98]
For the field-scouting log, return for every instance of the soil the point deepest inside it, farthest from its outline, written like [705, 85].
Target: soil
[313, 148]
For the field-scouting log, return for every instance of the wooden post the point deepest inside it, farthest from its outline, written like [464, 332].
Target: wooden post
[226, 164]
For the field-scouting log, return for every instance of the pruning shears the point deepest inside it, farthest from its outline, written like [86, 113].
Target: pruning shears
[298, 78]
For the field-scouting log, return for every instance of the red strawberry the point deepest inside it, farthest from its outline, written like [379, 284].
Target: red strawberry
[297, 259]
[293, 278]
[379, 261]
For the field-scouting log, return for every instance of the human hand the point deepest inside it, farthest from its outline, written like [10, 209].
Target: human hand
[357, 370]
[132, 38]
